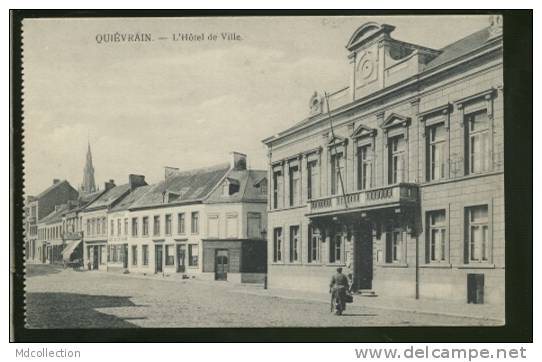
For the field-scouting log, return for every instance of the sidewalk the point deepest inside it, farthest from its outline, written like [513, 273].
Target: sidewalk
[427, 306]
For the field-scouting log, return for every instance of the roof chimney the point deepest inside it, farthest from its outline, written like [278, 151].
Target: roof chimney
[135, 181]
[238, 161]
[109, 185]
[55, 181]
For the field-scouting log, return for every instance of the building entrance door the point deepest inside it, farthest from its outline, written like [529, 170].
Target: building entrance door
[158, 256]
[221, 265]
[363, 265]
[125, 256]
[181, 258]
[96, 257]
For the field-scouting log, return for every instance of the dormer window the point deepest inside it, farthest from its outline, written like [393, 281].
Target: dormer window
[230, 187]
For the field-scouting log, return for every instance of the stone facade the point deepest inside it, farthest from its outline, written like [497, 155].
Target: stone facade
[406, 189]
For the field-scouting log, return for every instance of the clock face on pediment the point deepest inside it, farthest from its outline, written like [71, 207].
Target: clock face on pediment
[366, 67]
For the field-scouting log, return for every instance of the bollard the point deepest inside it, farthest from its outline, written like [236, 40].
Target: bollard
[265, 282]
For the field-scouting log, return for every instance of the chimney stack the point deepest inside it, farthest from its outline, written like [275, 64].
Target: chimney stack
[109, 185]
[136, 181]
[238, 161]
[55, 181]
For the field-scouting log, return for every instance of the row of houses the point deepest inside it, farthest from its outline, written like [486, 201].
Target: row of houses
[397, 177]
[209, 222]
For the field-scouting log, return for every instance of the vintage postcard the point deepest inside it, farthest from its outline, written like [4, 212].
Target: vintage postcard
[264, 171]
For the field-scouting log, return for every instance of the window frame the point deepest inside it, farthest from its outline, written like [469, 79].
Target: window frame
[278, 245]
[468, 242]
[294, 247]
[313, 245]
[442, 229]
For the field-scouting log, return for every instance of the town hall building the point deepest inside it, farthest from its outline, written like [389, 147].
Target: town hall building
[397, 177]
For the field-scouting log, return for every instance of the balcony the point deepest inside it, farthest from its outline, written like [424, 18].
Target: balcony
[388, 196]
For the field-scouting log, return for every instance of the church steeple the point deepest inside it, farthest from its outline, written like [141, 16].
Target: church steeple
[88, 185]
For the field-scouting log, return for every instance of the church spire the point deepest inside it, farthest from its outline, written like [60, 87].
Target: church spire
[88, 185]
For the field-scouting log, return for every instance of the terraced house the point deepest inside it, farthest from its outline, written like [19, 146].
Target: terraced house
[94, 218]
[399, 176]
[208, 222]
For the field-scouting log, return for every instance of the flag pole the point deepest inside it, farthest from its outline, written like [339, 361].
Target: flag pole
[335, 147]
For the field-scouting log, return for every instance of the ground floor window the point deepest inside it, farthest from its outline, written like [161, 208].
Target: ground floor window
[394, 246]
[294, 243]
[277, 245]
[145, 254]
[336, 248]
[314, 245]
[193, 255]
[170, 255]
[436, 237]
[134, 254]
[477, 234]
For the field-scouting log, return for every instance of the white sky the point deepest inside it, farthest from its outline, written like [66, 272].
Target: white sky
[164, 103]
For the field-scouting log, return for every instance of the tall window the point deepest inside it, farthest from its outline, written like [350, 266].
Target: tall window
[477, 230]
[277, 189]
[126, 226]
[134, 254]
[294, 243]
[436, 148]
[193, 254]
[337, 173]
[156, 226]
[212, 226]
[195, 222]
[88, 227]
[314, 245]
[394, 246]
[232, 226]
[170, 254]
[364, 167]
[119, 227]
[254, 225]
[294, 185]
[477, 142]
[145, 254]
[396, 162]
[436, 236]
[180, 223]
[312, 179]
[168, 224]
[277, 245]
[145, 222]
[336, 248]
[134, 226]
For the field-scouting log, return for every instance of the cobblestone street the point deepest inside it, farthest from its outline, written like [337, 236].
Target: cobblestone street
[81, 299]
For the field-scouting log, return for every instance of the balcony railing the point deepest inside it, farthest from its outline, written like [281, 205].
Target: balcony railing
[373, 198]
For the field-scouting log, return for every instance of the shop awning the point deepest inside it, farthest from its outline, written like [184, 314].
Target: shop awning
[69, 249]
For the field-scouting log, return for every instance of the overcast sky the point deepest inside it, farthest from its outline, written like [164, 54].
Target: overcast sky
[185, 104]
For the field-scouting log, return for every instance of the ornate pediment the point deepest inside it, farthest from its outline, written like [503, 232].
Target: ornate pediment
[336, 141]
[394, 120]
[316, 104]
[363, 131]
[367, 32]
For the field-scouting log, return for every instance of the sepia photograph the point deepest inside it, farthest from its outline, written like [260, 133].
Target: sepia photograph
[264, 171]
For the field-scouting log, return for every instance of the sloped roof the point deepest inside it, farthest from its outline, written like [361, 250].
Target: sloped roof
[56, 215]
[109, 197]
[247, 190]
[460, 47]
[191, 185]
[132, 197]
[52, 187]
